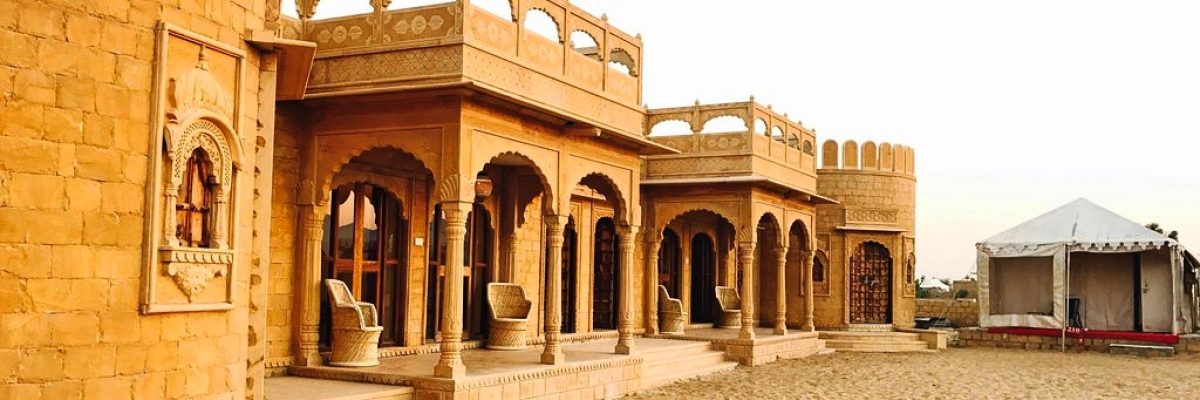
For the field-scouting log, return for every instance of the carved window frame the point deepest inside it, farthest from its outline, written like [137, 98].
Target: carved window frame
[197, 113]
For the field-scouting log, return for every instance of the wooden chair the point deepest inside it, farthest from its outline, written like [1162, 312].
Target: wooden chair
[356, 328]
[731, 307]
[671, 317]
[510, 316]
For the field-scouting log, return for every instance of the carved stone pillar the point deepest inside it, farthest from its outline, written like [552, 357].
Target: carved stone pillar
[652, 244]
[781, 290]
[553, 353]
[625, 322]
[450, 365]
[220, 233]
[308, 262]
[746, 257]
[512, 242]
[170, 199]
[809, 296]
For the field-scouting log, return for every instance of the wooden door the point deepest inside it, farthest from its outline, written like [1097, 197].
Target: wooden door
[870, 285]
[704, 279]
[570, 263]
[605, 279]
[670, 264]
[363, 246]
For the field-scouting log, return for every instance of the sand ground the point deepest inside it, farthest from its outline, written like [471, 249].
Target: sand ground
[974, 373]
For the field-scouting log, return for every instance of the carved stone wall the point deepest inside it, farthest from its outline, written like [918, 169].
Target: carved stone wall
[79, 138]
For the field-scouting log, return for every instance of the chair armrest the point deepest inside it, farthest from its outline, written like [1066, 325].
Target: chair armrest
[370, 316]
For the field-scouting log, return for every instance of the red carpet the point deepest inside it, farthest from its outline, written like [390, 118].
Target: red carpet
[1164, 338]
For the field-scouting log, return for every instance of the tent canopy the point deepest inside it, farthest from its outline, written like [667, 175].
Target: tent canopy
[1027, 272]
[1080, 224]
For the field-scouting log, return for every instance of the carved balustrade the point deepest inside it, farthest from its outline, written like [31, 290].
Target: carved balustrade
[457, 43]
[765, 145]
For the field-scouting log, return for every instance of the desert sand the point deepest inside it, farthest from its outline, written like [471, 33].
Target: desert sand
[974, 373]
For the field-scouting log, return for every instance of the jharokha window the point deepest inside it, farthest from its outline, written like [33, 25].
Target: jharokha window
[818, 270]
[194, 207]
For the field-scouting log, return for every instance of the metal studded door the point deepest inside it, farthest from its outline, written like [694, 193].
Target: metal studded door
[871, 285]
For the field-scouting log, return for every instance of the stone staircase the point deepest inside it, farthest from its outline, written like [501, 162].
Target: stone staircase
[874, 342]
[666, 365]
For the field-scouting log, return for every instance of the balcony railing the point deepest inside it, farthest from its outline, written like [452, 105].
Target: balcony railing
[458, 42]
[765, 144]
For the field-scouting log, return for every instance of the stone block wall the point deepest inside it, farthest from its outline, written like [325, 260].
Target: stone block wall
[978, 337]
[76, 83]
[961, 312]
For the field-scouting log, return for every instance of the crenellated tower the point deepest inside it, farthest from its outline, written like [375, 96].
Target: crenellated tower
[867, 240]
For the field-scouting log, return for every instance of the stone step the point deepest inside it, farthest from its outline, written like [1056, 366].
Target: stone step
[297, 388]
[671, 352]
[684, 361]
[877, 336]
[677, 374]
[877, 346]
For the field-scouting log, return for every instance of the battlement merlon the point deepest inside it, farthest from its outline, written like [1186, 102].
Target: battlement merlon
[870, 157]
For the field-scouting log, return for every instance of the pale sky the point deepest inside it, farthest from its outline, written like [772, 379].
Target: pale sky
[1014, 107]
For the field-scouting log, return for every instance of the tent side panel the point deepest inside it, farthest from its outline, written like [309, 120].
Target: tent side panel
[1104, 283]
[1157, 291]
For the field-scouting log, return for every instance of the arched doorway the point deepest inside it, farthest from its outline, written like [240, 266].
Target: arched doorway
[766, 269]
[362, 246]
[704, 279]
[871, 284]
[669, 263]
[605, 289]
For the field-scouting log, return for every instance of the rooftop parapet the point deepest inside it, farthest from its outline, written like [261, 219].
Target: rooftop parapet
[732, 139]
[884, 157]
[590, 72]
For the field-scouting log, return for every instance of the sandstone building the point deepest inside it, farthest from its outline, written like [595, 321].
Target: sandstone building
[177, 179]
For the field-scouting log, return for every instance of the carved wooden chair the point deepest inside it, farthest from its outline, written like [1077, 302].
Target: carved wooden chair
[671, 317]
[356, 328]
[510, 316]
[731, 307]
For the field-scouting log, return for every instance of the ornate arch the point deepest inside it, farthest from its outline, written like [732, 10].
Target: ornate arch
[805, 234]
[624, 214]
[447, 189]
[331, 166]
[726, 211]
[781, 234]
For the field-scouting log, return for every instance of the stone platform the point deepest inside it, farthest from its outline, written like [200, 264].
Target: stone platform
[591, 371]
[766, 347]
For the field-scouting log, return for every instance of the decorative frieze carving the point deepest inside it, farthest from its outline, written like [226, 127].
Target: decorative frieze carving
[871, 216]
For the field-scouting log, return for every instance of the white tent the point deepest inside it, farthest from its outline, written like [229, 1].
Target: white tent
[1085, 266]
[932, 283]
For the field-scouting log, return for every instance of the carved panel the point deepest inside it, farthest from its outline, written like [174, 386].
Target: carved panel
[869, 216]
[697, 165]
[423, 23]
[355, 31]
[198, 86]
[393, 65]
[723, 142]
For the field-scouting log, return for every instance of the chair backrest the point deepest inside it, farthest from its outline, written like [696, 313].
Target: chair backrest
[339, 293]
[507, 300]
[663, 296]
[728, 298]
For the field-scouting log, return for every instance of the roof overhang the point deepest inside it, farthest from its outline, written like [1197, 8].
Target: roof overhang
[812, 196]
[294, 63]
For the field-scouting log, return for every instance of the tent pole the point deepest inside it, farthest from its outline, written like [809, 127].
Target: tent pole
[1066, 297]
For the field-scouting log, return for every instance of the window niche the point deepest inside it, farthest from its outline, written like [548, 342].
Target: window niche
[192, 184]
